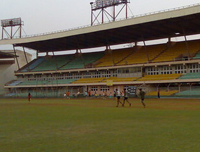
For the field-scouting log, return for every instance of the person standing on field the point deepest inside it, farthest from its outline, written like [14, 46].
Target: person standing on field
[86, 94]
[142, 96]
[114, 94]
[77, 95]
[118, 94]
[89, 94]
[29, 97]
[126, 97]
[68, 96]
[158, 94]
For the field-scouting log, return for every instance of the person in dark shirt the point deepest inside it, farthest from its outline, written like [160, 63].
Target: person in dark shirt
[126, 97]
[142, 96]
[158, 94]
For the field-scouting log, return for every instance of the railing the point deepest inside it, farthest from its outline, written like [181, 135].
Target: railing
[107, 22]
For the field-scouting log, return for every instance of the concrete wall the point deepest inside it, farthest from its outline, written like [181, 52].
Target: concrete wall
[7, 70]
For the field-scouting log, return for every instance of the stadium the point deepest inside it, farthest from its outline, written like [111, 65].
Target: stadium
[171, 66]
[157, 52]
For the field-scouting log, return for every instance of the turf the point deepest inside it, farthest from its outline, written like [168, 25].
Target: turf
[96, 125]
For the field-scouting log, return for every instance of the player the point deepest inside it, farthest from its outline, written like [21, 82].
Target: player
[29, 97]
[68, 96]
[118, 94]
[89, 94]
[77, 95]
[114, 94]
[64, 95]
[95, 94]
[158, 94]
[110, 95]
[126, 97]
[142, 96]
[104, 95]
[85, 94]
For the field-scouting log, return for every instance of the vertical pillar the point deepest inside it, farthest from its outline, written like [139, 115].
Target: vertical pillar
[187, 47]
[190, 86]
[169, 39]
[114, 13]
[126, 10]
[168, 87]
[2, 33]
[20, 31]
[186, 44]
[55, 61]
[37, 54]
[146, 51]
[102, 14]
[16, 57]
[11, 35]
[25, 55]
[91, 3]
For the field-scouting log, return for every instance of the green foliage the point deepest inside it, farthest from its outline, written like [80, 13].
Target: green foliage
[95, 125]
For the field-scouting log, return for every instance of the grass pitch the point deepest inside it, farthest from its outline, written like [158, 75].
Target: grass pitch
[96, 125]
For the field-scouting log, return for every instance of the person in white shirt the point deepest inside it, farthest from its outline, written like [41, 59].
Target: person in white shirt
[118, 97]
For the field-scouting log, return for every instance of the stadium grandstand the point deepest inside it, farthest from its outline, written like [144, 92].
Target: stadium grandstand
[172, 66]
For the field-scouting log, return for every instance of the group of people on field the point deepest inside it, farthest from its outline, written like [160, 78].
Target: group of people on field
[124, 94]
[117, 94]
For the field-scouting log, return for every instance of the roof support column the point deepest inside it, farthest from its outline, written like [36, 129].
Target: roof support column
[136, 43]
[169, 39]
[158, 87]
[109, 50]
[81, 55]
[126, 10]
[16, 57]
[145, 48]
[179, 87]
[187, 47]
[186, 44]
[114, 17]
[2, 33]
[191, 86]
[25, 57]
[91, 14]
[168, 87]
[55, 61]
[102, 20]
[37, 54]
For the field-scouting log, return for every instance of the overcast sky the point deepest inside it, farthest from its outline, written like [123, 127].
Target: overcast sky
[42, 16]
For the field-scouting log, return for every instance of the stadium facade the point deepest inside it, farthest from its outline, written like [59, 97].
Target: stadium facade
[8, 67]
[172, 67]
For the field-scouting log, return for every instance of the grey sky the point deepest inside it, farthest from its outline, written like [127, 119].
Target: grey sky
[42, 16]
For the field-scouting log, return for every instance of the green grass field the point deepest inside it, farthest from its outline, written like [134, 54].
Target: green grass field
[61, 125]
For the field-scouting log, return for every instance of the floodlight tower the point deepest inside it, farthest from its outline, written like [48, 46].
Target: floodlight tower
[102, 5]
[11, 23]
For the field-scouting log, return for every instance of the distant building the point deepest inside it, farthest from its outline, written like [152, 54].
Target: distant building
[8, 66]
